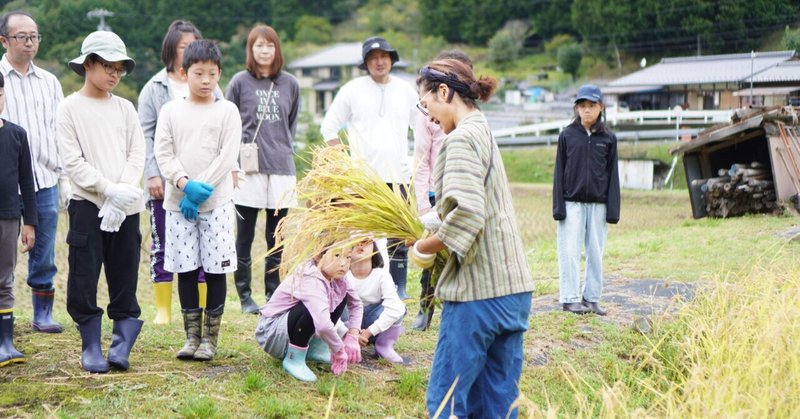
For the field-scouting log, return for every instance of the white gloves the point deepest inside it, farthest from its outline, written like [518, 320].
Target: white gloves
[431, 221]
[122, 195]
[64, 191]
[112, 216]
[422, 260]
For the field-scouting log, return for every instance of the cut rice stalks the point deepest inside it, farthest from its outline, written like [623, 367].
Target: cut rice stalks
[345, 200]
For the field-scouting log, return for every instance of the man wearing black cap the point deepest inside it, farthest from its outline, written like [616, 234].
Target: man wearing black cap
[378, 111]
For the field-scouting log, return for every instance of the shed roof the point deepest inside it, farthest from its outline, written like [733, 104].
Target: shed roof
[704, 69]
[783, 72]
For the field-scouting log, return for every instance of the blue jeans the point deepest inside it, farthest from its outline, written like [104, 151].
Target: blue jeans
[42, 258]
[480, 343]
[585, 225]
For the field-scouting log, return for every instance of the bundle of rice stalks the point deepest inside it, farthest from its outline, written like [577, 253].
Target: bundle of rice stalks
[345, 200]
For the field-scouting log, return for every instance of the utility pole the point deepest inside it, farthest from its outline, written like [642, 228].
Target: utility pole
[752, 65]
[102, 14]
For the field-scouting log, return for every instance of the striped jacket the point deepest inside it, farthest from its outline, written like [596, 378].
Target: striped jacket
[31, 102]
[478, 222]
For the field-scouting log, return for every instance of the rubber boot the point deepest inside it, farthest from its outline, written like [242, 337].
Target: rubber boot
[202, 294]
[193, 325]
[8, 353]
[384, 343]
[398, 269]
[208, 342]
[426, 307]
[123, 336]
[43, 312]
[272, 277]
[295, 364]
[92, 358]
[242, 278]
[318, 351]
[163, 295]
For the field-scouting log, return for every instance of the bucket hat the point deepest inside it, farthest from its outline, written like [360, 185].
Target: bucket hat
[373, 43]
[106, 45]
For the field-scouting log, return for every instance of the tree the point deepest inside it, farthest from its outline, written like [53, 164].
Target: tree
[791, 39]
[313, 30]
[506, 45]
[569, 59]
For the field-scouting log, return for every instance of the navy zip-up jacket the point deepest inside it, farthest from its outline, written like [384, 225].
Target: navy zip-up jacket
[586, 170]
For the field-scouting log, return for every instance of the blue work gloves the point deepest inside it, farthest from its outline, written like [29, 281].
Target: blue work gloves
[189, 209]
[197, 192]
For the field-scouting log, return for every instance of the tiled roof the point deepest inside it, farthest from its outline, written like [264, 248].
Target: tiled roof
[783, 72]
[704, 69]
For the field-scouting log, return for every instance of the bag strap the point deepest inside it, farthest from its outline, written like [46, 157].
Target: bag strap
[260, 120]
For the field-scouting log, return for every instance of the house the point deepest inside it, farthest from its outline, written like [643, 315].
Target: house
[322, 73]
[710, 82]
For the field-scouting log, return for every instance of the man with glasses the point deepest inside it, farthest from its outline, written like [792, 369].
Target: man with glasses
[32, 95]
[378, 110]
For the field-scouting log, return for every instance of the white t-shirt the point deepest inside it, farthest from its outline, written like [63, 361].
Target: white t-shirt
[179, 89]
[378, 288]
[378, 118]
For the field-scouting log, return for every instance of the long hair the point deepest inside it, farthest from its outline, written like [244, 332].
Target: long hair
[169, 47]
[266, 32]
[599, 125]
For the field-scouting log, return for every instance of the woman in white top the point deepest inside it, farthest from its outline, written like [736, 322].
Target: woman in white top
[383, 309]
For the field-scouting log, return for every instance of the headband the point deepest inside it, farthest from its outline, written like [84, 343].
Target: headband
[450, 79]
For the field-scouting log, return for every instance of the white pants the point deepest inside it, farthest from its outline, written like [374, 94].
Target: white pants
[206, 242]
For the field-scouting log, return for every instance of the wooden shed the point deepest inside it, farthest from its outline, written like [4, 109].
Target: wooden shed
[748, 165]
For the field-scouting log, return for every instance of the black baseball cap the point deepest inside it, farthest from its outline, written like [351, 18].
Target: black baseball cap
[373, 43]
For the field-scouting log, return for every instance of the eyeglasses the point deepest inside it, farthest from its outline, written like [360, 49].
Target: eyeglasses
[111, 70]
[35, 38]
[419, 104]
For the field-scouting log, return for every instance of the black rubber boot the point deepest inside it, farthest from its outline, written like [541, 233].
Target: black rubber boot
[8, 353]
[398, 267]
[242, 279]
[92, 358]
[123, 337]
[43, 312]
[426, 307]
[272, 277]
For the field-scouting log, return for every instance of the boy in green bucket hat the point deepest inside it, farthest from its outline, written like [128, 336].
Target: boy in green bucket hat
[103, 153]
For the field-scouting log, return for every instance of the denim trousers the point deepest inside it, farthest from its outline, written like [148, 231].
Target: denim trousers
[585, 225]
[42, 258]
[480, 344]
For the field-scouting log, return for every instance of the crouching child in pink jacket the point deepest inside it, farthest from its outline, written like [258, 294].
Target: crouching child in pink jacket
[298, 322]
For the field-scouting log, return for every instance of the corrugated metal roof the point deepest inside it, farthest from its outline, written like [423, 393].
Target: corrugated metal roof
[704, 69]
[783, 72]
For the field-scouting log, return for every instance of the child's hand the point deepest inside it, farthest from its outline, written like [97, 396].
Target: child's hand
[352, 349]
[28, 237]
[189, 209]
[339, 362]
[363, 338]
[155, 186]
[197, 192]
[422, 260]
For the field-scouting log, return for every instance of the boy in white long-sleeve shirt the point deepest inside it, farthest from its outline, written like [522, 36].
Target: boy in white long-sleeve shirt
[383, 309]
[196, 147]
[103, 151]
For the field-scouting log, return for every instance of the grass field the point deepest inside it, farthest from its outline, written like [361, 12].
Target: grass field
[587, 356]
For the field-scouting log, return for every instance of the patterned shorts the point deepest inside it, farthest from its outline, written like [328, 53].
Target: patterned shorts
[206, 242]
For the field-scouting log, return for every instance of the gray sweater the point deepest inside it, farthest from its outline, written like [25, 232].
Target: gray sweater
[278, 109]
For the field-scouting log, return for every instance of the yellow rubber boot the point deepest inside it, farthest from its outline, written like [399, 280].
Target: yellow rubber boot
[202, 291]
[163, 294]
